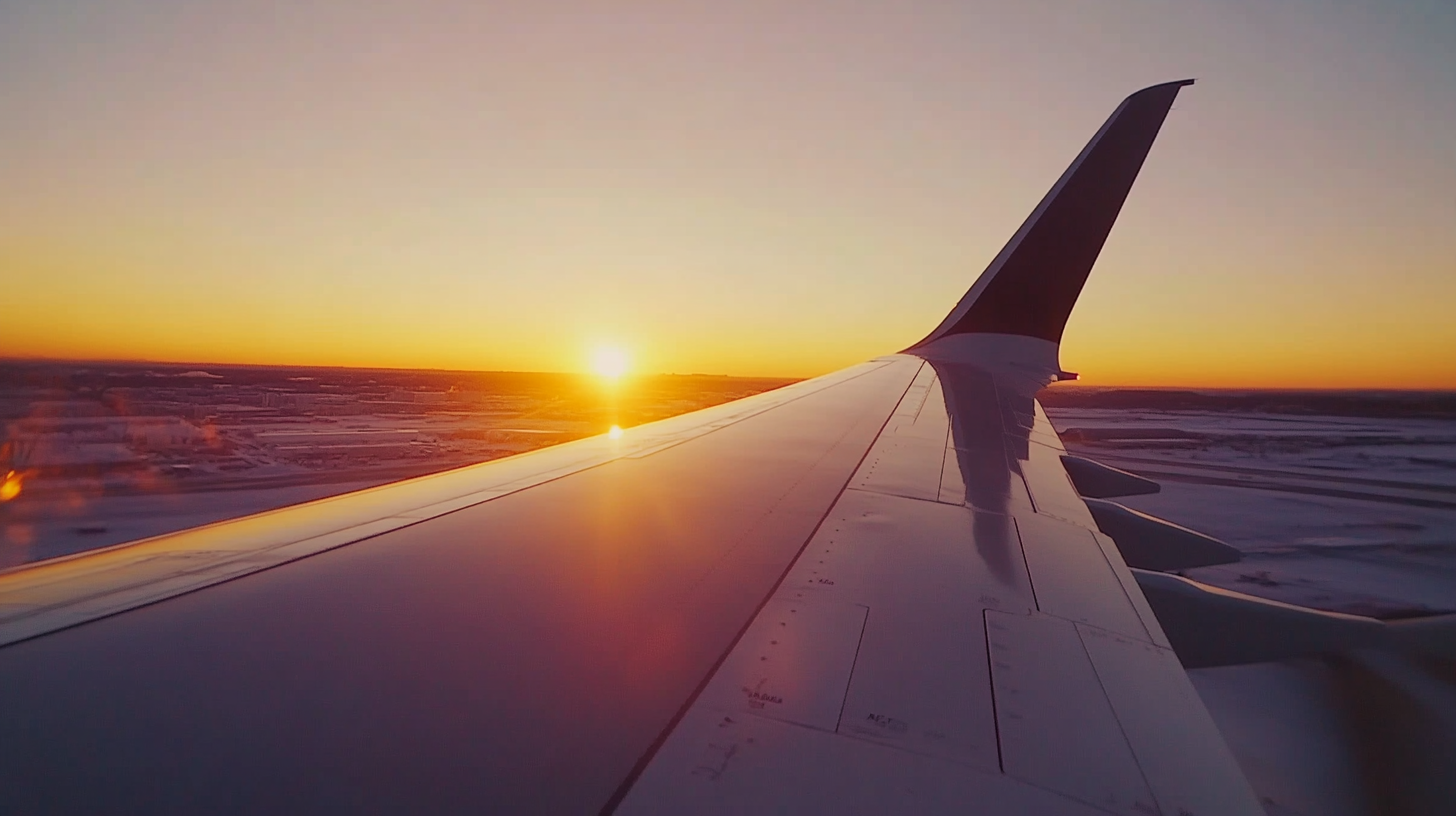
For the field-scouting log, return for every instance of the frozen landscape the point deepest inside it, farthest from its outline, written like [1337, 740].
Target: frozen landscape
[1350, 511]
[1340, 501]
[94, 455]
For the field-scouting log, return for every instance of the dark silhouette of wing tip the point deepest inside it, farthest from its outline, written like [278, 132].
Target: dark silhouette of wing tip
[1032, 285]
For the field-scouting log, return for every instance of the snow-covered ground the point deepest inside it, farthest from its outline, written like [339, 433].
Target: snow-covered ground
[1347, 514]
[1350, 514]
[99, 454]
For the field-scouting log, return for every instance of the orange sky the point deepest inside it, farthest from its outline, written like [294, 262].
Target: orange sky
[719, 187]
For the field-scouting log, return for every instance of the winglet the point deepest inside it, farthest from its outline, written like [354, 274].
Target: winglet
[1031, 286]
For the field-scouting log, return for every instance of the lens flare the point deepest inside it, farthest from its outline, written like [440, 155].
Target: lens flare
[10, 488]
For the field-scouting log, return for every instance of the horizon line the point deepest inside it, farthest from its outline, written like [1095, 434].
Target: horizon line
[1071, 385]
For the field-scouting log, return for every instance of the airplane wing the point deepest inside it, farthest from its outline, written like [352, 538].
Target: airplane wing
[873, 592]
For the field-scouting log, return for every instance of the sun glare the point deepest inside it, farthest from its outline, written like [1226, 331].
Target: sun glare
[609, 361]
[10, 486]
[615, 432]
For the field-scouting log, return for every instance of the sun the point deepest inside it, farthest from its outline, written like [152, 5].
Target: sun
[609, 362]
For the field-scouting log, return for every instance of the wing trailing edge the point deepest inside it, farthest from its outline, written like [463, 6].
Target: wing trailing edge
[1033, 283]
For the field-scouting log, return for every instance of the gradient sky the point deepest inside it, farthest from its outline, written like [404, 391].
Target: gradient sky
[742, 187]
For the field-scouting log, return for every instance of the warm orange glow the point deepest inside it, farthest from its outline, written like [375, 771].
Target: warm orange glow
[10, 488]
[216, 191]
[609, 362]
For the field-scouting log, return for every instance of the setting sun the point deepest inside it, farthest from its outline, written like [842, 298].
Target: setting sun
[609, 361]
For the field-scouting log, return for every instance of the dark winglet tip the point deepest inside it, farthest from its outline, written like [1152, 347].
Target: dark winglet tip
[1163, 86]
[1033, 283]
